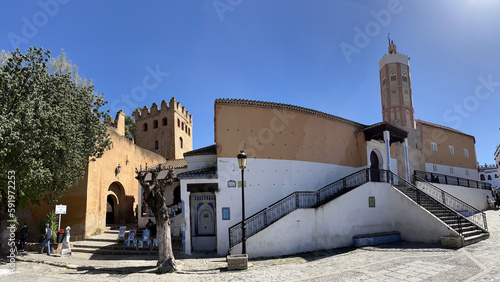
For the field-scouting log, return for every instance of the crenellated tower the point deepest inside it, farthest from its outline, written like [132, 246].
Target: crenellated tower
[395, 88]
[166, 130]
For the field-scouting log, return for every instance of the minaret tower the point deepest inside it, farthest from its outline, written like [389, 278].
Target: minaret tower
[395, 88]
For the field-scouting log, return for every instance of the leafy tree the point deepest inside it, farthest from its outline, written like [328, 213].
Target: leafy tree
[129, 128]
[50, 128]
[154, 195]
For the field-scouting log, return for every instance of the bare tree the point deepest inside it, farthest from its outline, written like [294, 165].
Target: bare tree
[154, 195]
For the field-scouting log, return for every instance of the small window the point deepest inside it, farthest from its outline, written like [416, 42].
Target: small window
[180, 142]
[434, 146]
[383, 82]
[182, 126]
[393, 78]
[145, 127]
[496, 176]
[466, 153]
[452, 151]
[489, 177]
[164, 122]
[189, 131]
[404, 78]
[482, 177]
[156, 145]
[434, 167]
[466, 172]
[226, 214]
[451, 170]
[371, 202]
[178, 122]
[155, 124]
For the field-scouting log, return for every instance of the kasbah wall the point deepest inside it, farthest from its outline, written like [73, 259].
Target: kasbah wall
[87, 203]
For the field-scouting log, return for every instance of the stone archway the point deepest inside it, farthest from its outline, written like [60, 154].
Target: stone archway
[116, 204]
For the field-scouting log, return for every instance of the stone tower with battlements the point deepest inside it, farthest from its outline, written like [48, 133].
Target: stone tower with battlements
[395, 88]
[167, 131]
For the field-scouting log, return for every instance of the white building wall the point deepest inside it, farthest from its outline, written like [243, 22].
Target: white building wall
[457, 171]
[307, 230]
[267, 181]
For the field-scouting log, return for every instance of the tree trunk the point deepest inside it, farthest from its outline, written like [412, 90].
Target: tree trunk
[5, 232]
[166, 261]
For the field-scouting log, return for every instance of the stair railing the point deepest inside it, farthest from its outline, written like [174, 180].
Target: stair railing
[451, 180]
[294, 201]
[471, 213]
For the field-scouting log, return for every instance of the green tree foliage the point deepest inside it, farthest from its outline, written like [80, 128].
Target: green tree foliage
[129, 128]
[50, 126]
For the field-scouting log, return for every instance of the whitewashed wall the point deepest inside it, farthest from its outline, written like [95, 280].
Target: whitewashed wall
[267, 181]
[338, 221]
[457, 171]
[472, 196]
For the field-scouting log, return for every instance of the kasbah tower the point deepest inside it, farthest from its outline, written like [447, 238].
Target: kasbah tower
[167, 131]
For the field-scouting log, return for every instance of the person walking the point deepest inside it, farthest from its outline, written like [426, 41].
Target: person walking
[24, 235]
[46, 239]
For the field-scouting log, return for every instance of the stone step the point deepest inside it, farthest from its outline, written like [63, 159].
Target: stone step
[476, 238]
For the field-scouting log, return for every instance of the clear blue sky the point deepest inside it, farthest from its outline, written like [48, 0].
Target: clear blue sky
[286, 51]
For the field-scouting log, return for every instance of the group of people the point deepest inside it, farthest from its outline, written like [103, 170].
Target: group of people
[47, 236]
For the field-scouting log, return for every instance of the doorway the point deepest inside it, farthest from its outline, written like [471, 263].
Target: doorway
[110, 210]
[374, 167]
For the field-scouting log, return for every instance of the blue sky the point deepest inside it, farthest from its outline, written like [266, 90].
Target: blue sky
[286, 51]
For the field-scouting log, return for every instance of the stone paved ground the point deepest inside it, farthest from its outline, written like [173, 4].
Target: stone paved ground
[394, 262]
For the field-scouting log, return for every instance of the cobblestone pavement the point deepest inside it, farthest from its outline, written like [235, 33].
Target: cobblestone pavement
[393, 262]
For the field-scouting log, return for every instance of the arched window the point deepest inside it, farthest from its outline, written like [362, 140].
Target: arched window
[156, 145]
[164, 121]
[145, 127]
[155, 124]
[482, 177]
[489, 177]
[178, 122]
[180, 142]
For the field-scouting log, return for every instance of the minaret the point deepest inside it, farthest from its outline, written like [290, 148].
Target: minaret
[395, 88]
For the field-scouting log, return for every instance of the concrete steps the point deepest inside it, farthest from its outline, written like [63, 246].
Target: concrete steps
[107, 243]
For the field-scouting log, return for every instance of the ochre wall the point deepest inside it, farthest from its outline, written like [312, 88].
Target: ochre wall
[276, 131]
[102, 173]
[444, 138]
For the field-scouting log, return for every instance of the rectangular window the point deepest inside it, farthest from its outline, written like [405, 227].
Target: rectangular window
[466, 172]
[451, 170]
[434, 146]
[434, 167]
[404, 78]
[393, 78]
[226, 214]
[466, 153]
[452, 151]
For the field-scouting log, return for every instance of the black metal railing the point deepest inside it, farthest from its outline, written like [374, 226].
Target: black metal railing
[294, 201]
[469, 212]
[451, 180]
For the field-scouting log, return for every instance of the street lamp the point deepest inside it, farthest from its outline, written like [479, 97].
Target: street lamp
[242, 162]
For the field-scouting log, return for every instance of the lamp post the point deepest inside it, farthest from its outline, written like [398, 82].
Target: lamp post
[242, 162]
